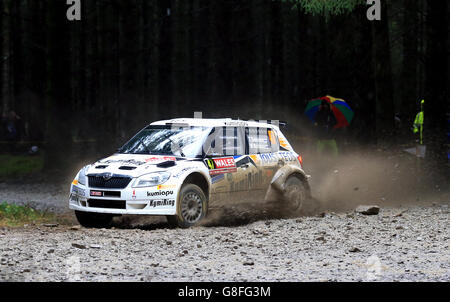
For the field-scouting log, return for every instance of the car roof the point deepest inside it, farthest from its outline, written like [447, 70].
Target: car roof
[215, 122]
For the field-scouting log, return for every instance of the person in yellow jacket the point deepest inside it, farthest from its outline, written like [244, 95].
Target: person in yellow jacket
[418, 123]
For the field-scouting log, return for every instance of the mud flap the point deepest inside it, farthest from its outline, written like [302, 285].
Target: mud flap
[276, 189]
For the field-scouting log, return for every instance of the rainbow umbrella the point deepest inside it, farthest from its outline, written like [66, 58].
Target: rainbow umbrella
[342, 111]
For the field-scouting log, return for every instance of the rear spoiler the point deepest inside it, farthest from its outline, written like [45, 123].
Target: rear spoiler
[281, 124]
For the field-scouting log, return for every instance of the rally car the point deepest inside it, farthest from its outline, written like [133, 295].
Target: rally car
[182, 167]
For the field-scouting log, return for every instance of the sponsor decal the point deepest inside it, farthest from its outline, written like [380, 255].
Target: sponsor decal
[223, 163]
[245, 161]
[97, 193]
[162, 203]
[255, 158]
[159, 193]
[237, 123]
[78, 191]
[123, 162]
[271, 158]
[182, 172]
[250, 182]
[268, 158]
[165, 158]
[283, 143]
[163, 187]
[218, 166]
[217, 178]
[287, 156]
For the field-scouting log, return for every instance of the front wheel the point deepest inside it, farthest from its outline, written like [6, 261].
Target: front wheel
[192, 207]
[94, 220]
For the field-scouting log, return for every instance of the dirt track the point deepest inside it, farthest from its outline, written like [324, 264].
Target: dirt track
[407, 241]
[399, 244]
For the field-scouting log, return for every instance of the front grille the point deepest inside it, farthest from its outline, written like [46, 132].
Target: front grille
[107, 204]
[112, 183]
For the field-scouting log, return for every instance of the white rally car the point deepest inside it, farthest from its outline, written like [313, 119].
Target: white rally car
[179, 168]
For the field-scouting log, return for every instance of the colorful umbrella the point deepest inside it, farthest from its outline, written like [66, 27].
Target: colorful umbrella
[342, 111]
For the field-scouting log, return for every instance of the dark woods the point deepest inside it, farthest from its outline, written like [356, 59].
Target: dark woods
[127, 63]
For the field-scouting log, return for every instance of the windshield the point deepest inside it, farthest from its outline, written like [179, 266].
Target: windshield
[168, 140]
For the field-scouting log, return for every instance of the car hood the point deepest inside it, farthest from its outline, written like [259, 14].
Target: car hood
[129, 164]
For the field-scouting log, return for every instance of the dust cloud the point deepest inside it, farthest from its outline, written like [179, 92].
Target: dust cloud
[363, 178]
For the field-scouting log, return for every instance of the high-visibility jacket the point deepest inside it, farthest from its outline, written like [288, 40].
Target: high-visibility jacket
[418, 125]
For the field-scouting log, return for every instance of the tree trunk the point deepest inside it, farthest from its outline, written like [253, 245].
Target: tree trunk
[58, 105]
[6, 57]
[437, 63]
[409, 94]
[383, 76]
[165, 55]
[277, 50]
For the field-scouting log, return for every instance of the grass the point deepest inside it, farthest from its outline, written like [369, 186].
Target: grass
[17, 216]
[20, 165]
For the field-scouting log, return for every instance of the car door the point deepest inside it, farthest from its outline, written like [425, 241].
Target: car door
[263, 160]
[224, 148]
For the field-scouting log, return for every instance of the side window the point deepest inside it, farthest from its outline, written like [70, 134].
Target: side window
[261, 140]
[225, 141]
[284, 144]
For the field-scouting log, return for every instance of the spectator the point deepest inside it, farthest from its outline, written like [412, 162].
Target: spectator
[325, 122]
[11, 124]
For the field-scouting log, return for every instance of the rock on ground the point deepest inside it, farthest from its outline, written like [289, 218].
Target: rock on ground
[368, 210]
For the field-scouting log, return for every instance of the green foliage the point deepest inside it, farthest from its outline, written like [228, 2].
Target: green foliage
[13, 215]
[327, 7]
[19, 165]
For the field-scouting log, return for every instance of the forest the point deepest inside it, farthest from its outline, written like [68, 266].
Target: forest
[127, 63]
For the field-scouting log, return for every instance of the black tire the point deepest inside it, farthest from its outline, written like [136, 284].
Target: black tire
[192, 207]
[295, 196]
[94, 220]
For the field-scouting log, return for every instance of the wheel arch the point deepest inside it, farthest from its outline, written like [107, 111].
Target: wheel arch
[277, 184]
[199, 179]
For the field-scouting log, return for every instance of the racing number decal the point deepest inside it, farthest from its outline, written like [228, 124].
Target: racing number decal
[210, 164]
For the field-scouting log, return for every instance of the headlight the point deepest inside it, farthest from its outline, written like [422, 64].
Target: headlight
[82, 176]
[151, 180]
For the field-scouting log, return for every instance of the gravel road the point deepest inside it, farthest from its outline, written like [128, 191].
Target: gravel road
[399, 244]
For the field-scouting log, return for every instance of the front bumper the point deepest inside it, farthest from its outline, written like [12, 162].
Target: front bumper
[159, 200]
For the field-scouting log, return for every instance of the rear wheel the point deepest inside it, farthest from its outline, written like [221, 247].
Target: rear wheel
[294, 195]
[94, 220]
[192, 207]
